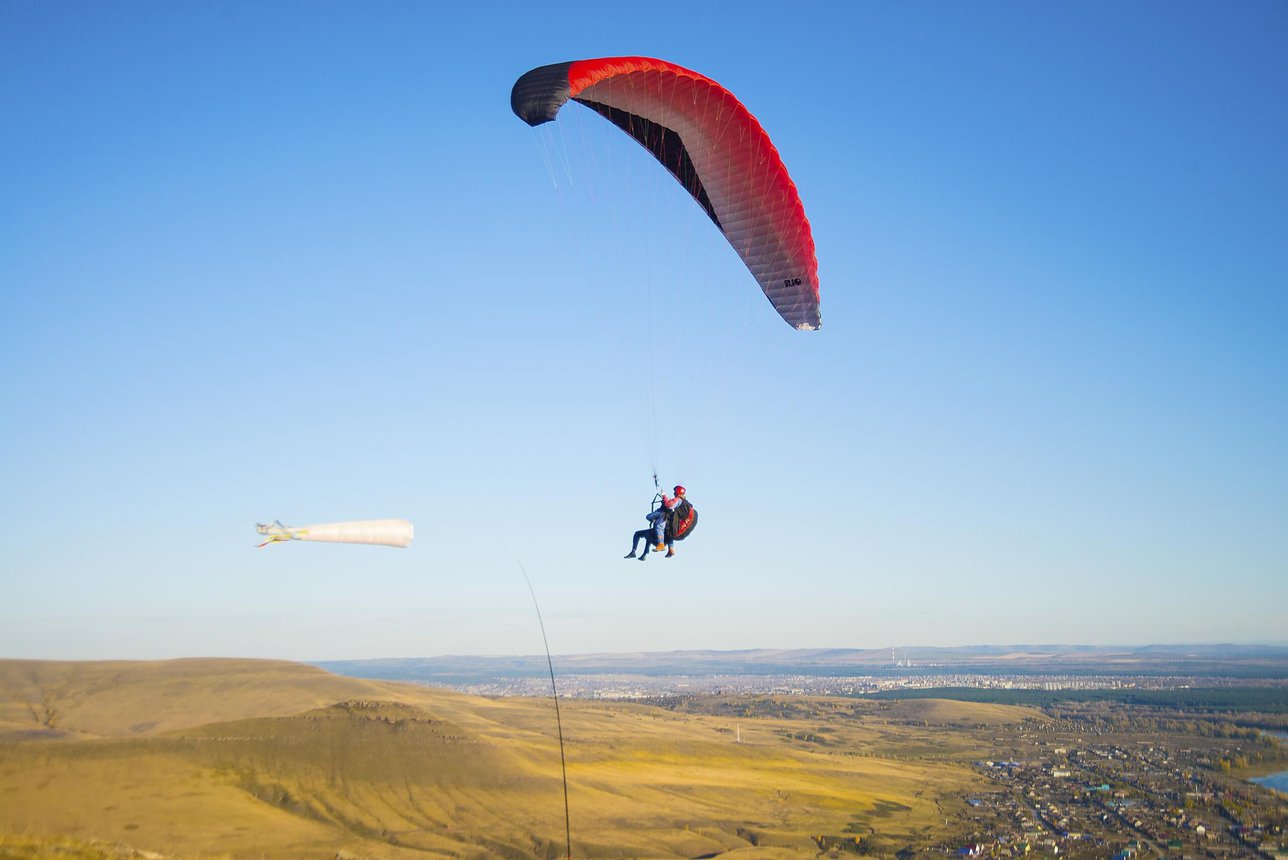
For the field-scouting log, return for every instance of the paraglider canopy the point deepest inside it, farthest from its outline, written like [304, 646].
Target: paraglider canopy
[713, 146]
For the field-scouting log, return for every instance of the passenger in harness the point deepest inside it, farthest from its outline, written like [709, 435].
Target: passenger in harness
[654, 536]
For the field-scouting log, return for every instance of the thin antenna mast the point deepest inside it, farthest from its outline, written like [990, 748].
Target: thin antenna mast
[554, 691]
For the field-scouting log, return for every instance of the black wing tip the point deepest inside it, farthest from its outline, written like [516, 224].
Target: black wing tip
[539, 94]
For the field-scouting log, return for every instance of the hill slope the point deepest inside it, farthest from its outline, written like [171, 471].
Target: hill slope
[400, 771]
[132, 698]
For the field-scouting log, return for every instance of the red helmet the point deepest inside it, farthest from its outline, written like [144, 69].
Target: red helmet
[679, 491]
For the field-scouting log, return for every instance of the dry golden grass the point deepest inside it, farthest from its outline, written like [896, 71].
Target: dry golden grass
[401, 771]
[122, 698]
[16, 847]
[947, 712]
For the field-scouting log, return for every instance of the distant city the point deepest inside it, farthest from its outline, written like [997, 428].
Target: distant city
[627, 687]
[842, 672]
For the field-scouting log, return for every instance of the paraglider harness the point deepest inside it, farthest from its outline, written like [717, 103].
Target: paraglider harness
[681, 521]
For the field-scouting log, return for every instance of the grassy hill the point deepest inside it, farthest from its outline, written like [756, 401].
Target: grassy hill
[259, 758]
[131, 698]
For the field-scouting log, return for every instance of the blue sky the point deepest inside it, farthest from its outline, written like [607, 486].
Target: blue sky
[300, 261]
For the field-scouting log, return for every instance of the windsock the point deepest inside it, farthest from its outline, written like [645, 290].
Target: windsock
[378, 532]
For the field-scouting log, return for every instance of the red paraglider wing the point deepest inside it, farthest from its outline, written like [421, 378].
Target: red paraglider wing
[713, 146]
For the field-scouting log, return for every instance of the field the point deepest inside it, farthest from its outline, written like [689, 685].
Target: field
[217, 758]
[251, 759]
